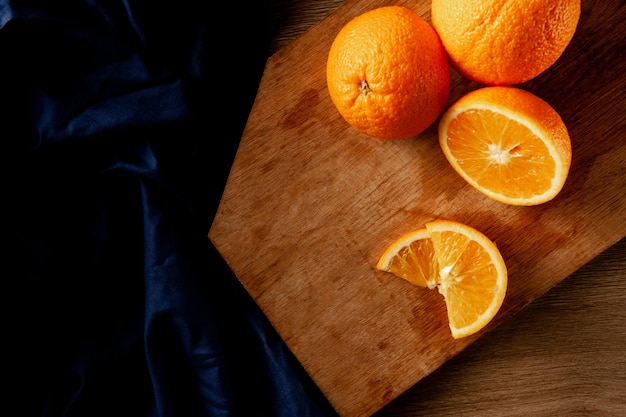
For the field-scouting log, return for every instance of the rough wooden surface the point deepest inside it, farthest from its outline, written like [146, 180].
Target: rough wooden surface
[565, 353]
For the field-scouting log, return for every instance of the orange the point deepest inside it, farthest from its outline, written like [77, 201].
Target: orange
[461, 262]
[387, 73]
[507, 143]
[498, 42]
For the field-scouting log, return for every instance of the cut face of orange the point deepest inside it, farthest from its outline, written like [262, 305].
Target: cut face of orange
[507, 143]
[461, 262]
[412, 257]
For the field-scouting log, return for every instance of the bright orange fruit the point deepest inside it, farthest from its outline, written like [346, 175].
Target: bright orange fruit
[387, 73]
[498, 42]
[507, 143]
[461, 262]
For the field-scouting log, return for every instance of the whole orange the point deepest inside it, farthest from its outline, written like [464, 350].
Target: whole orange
[498, 42]
[387, 73]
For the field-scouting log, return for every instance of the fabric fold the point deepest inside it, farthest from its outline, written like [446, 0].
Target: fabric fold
[114, 161]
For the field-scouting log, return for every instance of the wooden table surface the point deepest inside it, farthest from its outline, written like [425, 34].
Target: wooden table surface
[564, 354]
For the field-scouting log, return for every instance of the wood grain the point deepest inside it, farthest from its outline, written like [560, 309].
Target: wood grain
[350, 349]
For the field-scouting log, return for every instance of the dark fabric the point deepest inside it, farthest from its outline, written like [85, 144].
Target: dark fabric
[120, 120]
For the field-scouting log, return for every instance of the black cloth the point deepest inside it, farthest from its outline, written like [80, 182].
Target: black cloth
[120, 120]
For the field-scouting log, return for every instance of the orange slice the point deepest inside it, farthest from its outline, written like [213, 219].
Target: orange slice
[507, 143]
[461, 262]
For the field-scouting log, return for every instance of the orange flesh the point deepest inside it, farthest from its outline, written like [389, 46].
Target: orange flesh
[417, 264]
[500, 154]
[467, 277]
[459, 267]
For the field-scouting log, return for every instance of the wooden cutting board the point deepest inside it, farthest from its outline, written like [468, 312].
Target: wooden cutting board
[310, 205]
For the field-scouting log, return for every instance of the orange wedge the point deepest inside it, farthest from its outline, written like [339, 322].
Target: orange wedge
[461, 262]
[507, 143]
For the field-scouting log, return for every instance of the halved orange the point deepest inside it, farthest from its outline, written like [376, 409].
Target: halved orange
[507, 143]
[461, 262]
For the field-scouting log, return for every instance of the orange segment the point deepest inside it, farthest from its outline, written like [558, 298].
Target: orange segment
[472, 275]
[412, 257]
[507, 143]
[462, 263]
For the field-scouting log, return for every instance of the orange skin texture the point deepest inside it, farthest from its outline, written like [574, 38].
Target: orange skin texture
[388, 74]
[504, 42]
